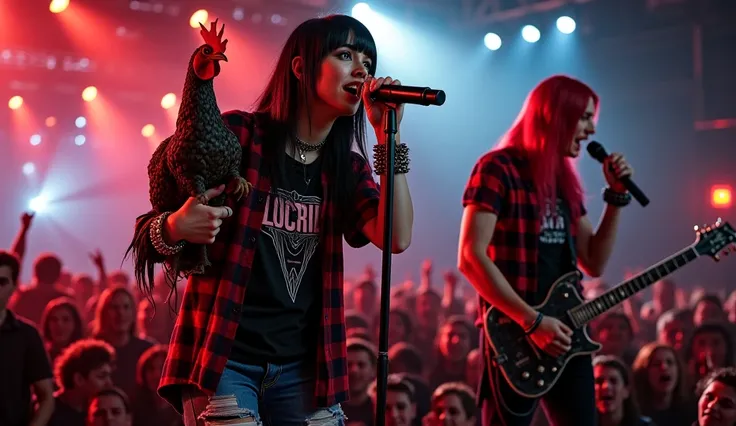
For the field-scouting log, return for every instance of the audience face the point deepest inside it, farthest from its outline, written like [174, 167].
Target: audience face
[663, 372]
[364, 298]
[120, 313]
[428, 305]
[83, 286]
[396, 329]
[610, 390]
[454, 342]
[152, 374]
[449, 411]
[707, 312]
[674, 333]
[615, 335]
[663, 294]
[98, 379]
[361, 371]
[710, 347]
[473, 368]
[108, 410]
[399, 409]
[717, 405]
[7, 286]
[61, 326]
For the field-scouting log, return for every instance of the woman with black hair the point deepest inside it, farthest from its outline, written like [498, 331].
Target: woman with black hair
[262, 330]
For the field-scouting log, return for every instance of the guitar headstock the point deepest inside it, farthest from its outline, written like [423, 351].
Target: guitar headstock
[715, 239]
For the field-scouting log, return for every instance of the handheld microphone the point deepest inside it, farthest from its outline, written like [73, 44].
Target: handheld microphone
[597, 151]
[407, 95]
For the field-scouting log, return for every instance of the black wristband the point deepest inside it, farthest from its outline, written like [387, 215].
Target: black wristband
[616, 199]
[535, 324]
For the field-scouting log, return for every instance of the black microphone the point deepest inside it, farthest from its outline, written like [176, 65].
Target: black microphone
[597, 151]
[398, 94]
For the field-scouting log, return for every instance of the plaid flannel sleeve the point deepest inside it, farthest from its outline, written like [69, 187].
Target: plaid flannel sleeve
[487, 185]
[365, 204]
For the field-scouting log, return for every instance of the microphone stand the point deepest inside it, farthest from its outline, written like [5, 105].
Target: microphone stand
[390, 129]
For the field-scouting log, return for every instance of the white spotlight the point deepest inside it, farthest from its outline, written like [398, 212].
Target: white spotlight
[492, 41]
[361, 10]
[38, 204]
[29, 169]
[79, 140]
[35, 139]
[531, 34]
[80, 122]
[566, 25]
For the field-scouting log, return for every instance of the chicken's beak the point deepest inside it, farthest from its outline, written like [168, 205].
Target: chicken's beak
[218, 57]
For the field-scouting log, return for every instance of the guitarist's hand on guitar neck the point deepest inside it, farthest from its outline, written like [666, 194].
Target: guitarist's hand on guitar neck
[552, 336]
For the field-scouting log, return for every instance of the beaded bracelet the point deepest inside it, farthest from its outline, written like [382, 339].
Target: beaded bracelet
[401, 160]
[157, 238]
[616, 199]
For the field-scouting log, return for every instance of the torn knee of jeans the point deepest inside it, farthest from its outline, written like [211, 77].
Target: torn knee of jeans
[224, 410]
[332, 416]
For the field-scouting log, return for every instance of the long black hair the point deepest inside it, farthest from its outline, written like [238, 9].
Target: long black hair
[313, 40]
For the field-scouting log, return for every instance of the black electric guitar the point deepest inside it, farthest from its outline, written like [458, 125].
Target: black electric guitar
[531, 372]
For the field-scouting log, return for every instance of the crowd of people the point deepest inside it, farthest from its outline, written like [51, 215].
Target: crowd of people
[99, 346]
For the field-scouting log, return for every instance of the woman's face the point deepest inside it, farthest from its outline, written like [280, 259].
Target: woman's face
[610, 389]
[342, 69]
[153, 372]
[662, 371]
[585, 128]
[61, 326]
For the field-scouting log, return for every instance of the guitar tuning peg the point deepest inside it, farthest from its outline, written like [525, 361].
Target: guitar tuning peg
[719, 221]
[717, 257]
[696, 228]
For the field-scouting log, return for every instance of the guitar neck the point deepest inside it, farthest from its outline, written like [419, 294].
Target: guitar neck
[592, 309]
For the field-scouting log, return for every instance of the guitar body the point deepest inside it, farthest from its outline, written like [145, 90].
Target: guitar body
[528, 370]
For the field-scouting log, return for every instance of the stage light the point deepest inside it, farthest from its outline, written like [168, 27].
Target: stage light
[50, 121]
[492, 41]
[79, 140]
[15, 102]
[721, 196]
[276, 19]
[58, 6]
[200, 16]
[29, 169]
[89, 94]
[361, 10]
[566, 25]
[168, 101]
[531, 34]
[238, 14]
[36, 139]
[80, 122]
[147, 130]
[38, 204]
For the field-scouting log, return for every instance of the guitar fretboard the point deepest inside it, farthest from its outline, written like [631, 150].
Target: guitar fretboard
[589, 310]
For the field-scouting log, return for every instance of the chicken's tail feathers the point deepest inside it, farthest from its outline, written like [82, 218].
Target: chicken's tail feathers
[143, 254]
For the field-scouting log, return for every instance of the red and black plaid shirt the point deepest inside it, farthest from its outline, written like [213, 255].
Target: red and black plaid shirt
[501, 183]
[206, 325]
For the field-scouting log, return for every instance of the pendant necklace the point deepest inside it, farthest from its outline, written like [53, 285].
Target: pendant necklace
[302, 148]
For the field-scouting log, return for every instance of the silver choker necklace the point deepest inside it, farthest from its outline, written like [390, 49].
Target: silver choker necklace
[303, 147]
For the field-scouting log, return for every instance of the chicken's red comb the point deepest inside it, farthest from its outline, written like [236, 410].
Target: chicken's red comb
[212, 38]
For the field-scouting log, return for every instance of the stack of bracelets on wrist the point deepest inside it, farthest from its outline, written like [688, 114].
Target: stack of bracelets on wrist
[616, 199]
[156, 232]
[401, 160]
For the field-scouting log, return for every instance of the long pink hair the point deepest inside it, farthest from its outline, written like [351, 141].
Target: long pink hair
[544, 129]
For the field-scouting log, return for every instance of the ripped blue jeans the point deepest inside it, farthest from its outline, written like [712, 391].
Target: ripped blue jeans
[271, 395]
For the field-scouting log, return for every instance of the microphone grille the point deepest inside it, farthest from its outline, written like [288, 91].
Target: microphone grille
[596, 151]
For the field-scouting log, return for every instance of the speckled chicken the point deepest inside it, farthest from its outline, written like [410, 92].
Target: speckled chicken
[201, 154]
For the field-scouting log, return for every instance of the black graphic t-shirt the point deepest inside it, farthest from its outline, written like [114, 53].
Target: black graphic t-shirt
[554, 246]
[280, 315]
